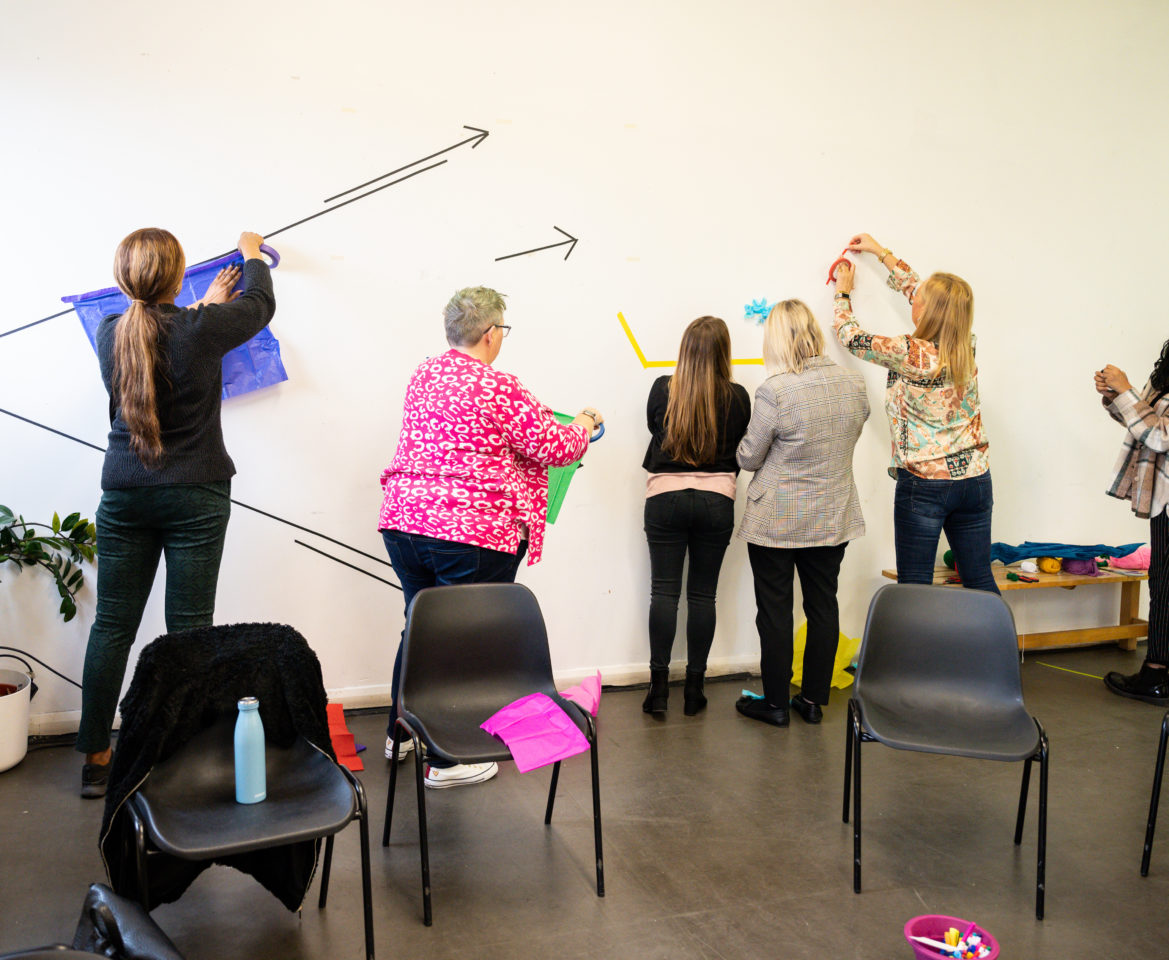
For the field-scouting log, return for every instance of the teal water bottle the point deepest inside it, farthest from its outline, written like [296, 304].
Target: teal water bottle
[250, 781]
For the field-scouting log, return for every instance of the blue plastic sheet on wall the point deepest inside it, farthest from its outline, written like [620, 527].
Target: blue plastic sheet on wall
[249, 367]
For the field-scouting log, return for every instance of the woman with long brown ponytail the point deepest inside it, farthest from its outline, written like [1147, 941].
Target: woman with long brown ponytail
[166, 479]
[696, 419]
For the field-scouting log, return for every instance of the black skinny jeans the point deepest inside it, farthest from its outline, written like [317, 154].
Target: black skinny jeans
[700, 523]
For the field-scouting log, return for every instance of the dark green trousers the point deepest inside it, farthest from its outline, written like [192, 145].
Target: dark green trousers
[185, 521]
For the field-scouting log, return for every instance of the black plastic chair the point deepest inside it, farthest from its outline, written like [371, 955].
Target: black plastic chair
[1155, 801]
[470, 650]
[938, 672]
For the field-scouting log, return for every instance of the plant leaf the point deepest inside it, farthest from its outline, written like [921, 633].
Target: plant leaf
[56, 523]
[70, 521]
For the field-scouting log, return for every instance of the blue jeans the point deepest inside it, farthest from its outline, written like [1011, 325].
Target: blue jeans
[187, 522]
[421, 562]
[922, 509]
[698, 522]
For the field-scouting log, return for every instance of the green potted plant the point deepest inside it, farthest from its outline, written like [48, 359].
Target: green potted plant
[60, 548]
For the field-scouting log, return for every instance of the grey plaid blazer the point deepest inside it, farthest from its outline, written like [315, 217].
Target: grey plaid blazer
[799, 443]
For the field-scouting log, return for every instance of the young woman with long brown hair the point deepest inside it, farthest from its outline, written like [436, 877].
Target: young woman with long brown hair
[935, 418]
[696, 418]
[166, 479]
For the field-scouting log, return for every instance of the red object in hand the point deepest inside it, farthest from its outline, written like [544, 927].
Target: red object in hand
[836, 263]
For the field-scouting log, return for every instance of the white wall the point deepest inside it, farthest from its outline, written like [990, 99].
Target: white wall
[705, 155]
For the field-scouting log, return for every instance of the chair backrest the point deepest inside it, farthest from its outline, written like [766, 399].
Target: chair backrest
[926, 644]
[471, 645]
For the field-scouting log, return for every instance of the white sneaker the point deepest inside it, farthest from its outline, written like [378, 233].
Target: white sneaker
[460, 775]
[404, 748]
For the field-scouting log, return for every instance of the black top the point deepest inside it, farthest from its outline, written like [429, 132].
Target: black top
[189, 386]
[735, 418]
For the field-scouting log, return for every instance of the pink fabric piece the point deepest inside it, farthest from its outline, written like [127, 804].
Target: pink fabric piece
[586, 694]
[537, 731]
[1137, 560]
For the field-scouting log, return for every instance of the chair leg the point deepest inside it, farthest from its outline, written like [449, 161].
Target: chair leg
[423, 848]
[597, 809]
[1155, 801]
[325, 867]
[856, 801]
[1041, 857]
[393, 783]
[1023, 790]
[552, 792]
[366, 886]
[140, 856]
[847, 760]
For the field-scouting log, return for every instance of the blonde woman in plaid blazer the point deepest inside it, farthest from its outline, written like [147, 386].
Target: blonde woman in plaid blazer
[1142, 477]
[802, 505]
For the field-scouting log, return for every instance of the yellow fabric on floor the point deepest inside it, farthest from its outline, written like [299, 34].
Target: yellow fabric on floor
[846, 650]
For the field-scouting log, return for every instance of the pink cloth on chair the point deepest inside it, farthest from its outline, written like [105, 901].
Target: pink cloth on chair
[537, 731]
[586, 694]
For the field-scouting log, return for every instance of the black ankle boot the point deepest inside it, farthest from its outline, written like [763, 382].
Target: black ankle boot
[693, 700]
[659, 690]
[1150, 685]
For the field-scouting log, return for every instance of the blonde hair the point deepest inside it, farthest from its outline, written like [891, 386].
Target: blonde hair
[148, 268]
[469, 314]
[699, 392]
[946, 318]
[791, 338]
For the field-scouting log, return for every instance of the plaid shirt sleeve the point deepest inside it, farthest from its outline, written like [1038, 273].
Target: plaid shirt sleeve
[1141, 421]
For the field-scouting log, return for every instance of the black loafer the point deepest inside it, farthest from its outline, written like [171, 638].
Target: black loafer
[811, 712]
[95, 777]
[762, 710]
[1150, 685]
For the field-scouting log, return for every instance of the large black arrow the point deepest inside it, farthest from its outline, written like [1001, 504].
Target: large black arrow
[480, 136]
[571, 241]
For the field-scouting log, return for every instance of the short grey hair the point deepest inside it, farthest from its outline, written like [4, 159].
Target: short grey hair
[469, 314]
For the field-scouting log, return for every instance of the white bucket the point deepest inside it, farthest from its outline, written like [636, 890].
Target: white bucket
[14, 718]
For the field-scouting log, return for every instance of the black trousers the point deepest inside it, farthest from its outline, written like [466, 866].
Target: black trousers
[1158, 646]
[677, 523]
[774, 569]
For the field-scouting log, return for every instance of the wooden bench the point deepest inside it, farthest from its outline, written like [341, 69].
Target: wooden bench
[1129, 627]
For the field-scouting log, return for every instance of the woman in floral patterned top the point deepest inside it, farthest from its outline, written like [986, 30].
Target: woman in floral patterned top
[931, 400]
[466, 495]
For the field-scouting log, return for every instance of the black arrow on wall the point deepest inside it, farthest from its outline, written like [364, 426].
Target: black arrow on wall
[571, 242]
[480, 136]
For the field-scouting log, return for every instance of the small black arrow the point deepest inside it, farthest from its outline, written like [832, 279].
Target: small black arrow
[480, 136]
[571, 241]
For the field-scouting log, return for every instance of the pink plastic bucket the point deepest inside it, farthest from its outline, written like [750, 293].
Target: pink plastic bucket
[934, 926]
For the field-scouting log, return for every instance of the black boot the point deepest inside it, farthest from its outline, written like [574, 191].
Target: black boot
[693, 700]
[1150, 685]
[659, 690]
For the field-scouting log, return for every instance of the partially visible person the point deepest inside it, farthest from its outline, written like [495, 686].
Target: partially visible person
[1142, 477]
[466, 495]
[802, 506]
[166, 479]
[695, 418]
[939, 444]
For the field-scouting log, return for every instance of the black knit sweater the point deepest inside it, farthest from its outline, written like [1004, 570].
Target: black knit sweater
[735, 418]
[189, 388]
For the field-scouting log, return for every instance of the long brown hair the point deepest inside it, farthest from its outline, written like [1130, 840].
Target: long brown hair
[699, 392]
[946, 318]
[148, 268]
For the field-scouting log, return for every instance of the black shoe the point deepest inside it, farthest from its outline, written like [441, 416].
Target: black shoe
[693, 701]
[1150, 685]
[95, 777]
[762, 710]
[659, 690]
[811, 712]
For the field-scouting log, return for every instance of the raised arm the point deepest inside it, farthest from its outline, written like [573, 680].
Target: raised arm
[1139, 419]
[904, 355]
[226, 325]
[902, 278]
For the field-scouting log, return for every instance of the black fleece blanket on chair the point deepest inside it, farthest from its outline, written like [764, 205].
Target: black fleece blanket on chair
[182, 684]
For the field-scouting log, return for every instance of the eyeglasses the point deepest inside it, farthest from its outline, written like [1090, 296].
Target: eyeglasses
[506, 328]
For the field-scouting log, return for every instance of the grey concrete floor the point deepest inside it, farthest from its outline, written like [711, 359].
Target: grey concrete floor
[723, 839]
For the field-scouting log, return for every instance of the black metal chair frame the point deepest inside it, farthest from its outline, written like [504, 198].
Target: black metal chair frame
[143, 842]
[855, 735]
[1155, 801]
[415, 731]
